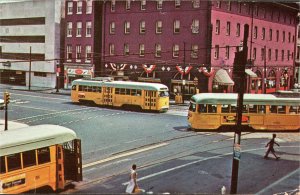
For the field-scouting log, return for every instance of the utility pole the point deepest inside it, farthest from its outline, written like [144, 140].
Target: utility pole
[29, 78]
[183, 81]
[265, 70]
[57, 76]
[6, 97]
[239, 68]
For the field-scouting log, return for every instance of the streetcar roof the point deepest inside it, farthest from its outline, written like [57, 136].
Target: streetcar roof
[231, 98]
[122, 84]
[33, 137]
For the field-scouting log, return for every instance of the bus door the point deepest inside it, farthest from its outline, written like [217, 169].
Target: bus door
[60, 177]
[150, 100]
[107, 96]
[73, 160]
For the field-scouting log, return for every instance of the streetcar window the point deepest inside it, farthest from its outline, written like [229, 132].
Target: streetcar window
[80, 88]
[29, 158]
[212, 108]
[192, 107]
[163, 94]
[293, 109]
[2, 164]
[117, 90]
[252, 108]
[281, 109]
[43, 155]
[202, 108]
[225, 108]
[245, 108]
[127, 91]
[14, 162]
[99, 89]
[122, 91]
[273, 109]
[261, 109]
[233, 108]
[73, 87]
[138, 92]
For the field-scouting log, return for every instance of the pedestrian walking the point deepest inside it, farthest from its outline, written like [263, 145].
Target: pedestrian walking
[132, 187]
[270, 146]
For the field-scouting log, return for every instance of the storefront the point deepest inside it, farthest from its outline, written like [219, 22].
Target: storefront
[222, 83]
[73, 72]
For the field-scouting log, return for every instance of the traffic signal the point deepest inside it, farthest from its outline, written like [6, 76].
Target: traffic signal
[6, 98]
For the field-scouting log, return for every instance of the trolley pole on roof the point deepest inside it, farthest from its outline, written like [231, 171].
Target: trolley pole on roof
[239, 71]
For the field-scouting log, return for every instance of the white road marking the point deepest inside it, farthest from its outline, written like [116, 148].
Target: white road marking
[34, 108]
[194, 162]
[125, 154]
[43, 97]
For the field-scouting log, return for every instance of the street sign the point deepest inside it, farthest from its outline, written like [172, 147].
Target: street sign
[237, 151]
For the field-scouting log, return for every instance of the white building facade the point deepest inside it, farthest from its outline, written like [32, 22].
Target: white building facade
[30, 42]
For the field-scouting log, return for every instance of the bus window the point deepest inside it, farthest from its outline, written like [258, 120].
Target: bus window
[261, 109]
[281, 109]
[192, 107]
[225, 108]
[14, 162]
[29, 158]
[293, 110]
[273, 109]
[252, 108]
[43, 155]
[202, 108]
[233, 108]
[212, 108]
[2, 164]
[245, 108]
[74, 87]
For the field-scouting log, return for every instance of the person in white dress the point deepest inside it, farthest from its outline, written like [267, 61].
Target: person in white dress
[132, 186]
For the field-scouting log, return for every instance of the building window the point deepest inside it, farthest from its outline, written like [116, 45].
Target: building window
[195, 26]
[196, 3]
[289, 37]
[126, 49]
[298, 53]
[88, 53]
[229, 5]
[288, 55]
[113, 5]
[240, 7]
[127, 4]
[176, 26]
[79, 7]
[142, 50]
[227, 52]
[159, 4]
[217, 27]
[112, 28]
[175, 51]
[69, 52]
[88, 29]
[277, 35]
[256, 10]
[158, 27]
[127, 27]
[78, 53]
[254, 53]
[255, 32]
[111, 49]
[276, 54]
[238, 29]
[218, 4]
[263, 33]
[89, 6]
[228, 28]
[283, 36]
[177, 3]
[70, 8]
[270, 55]
[79, 29]
[69, 29]
[143, 4]
[142, 27]
[194, 53]
[157, 50]
[264, 12]
[278, 17]
[270, 35]
[262, 54]
[282, 55]
[216, 56]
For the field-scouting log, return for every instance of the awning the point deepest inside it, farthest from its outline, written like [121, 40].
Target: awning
[222, 78]
[250, 73]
